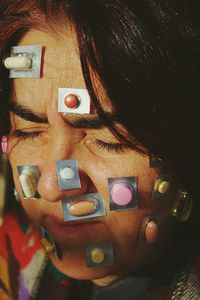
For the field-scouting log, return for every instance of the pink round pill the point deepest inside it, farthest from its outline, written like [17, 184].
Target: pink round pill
[121, 193]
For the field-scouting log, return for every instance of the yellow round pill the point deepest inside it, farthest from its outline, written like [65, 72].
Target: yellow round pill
[97, 256]
[163, 187]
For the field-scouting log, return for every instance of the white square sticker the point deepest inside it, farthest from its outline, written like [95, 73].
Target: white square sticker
[72, 100]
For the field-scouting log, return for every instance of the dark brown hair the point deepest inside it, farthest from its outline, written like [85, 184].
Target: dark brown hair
[147, 56]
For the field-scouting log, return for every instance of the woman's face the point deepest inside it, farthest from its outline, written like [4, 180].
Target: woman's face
[43, 144]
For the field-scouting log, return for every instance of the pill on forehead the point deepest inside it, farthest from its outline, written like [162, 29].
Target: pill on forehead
[18, 62]
[24, 61]
[73, 100]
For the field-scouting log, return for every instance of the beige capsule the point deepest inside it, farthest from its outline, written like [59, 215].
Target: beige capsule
[18, 63]
[82, 208]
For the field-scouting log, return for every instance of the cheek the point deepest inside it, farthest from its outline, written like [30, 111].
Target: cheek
[33, 210]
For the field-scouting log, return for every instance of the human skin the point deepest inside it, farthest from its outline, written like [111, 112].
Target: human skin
[60, 140]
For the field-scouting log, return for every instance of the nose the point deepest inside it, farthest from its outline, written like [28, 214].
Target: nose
[61, 149]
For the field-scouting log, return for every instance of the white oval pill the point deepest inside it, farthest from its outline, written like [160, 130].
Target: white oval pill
[67, 173]
[28, 183]
[18, 63]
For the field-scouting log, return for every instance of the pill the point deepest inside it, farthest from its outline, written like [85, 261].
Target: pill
[82, 208]
[4, 144]
[71, 101]
[97, 256]
[18, 62]
[156, 184]
[67, 173]
[121, 193]
[163, 187]
[28, 183]
[151, 232]
[47, 246]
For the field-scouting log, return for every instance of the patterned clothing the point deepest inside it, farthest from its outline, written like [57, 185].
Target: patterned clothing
[24, 269]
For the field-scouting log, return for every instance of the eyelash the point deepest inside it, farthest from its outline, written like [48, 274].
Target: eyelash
[117, 147]
[24, 135]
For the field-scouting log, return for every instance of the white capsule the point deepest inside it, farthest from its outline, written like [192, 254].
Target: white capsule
[28, 183]
[67, 173]
[18, 63]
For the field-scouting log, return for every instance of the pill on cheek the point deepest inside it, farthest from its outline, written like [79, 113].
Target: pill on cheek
[163, 187]
[18, 62]
[151, 232]
[82, 208]
[28, 183]
[121, 193]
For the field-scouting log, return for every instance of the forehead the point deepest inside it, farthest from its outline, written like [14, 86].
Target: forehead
[60, 67]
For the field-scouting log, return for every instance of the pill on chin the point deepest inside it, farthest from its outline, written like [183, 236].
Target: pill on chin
[121, 194]
[82, 208]
[97, 256]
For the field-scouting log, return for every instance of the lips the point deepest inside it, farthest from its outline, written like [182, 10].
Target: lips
[73, 232]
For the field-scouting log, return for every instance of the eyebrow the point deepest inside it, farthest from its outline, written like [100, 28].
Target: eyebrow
[91, 121]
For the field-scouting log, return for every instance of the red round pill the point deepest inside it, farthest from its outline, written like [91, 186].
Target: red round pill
[71, 101]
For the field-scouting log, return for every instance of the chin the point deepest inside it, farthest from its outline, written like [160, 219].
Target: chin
[76, 267]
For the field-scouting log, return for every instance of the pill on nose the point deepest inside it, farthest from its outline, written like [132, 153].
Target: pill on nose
[18, 62]
[28, 183]
[97, 256]
[71, 101]
[67, 173]
[121, 193]
[82, 208]
[151, 232]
